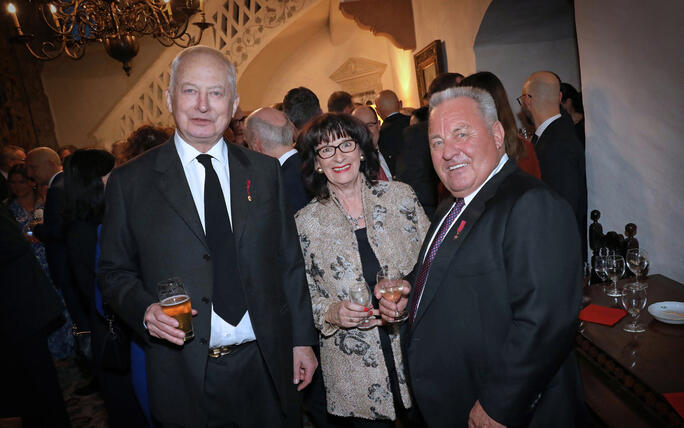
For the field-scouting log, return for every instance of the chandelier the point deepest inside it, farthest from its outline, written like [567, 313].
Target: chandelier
[67, 26]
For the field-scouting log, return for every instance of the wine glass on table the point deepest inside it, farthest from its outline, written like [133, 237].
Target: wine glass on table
[360, 293]
[600, 265]
[391, 284]
[637, 261]
[615, 266]
[634, 301]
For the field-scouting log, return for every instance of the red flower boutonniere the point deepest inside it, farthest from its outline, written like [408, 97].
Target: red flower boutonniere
[460, 229]
[249, 195]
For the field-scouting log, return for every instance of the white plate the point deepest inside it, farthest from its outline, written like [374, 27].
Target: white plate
[664, 312]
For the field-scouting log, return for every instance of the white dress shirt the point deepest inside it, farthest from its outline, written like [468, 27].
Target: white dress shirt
[287, 155]
[466, 201]
[222, 333]
[383, 165]
[540, 129]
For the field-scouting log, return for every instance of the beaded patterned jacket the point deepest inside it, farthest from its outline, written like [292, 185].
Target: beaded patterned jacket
[354, 371]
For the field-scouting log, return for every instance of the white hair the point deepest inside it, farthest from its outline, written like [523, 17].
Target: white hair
[484, 101]
[270, 134]
[205, 50]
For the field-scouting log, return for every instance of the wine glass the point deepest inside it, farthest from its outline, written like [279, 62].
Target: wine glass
[634, 301]
[600, 265]
[390, 284]
[615, 267]
[637, 261]
[360, 294]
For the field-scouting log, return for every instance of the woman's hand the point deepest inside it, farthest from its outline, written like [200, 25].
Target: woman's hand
[346, 314]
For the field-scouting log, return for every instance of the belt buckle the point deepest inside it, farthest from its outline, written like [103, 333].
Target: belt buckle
[220, 351]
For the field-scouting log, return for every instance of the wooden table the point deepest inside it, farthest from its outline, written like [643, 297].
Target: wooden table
[626, 374]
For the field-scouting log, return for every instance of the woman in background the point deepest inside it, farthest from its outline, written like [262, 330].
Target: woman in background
[518, 148]
[85, 175]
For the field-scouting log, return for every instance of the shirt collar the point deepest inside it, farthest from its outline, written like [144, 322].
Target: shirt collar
[547, 122]
[187, 153]
[287, 155]
[502, 162]
[53, 178]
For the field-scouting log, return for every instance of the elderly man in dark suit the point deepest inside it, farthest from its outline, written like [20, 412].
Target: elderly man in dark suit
[496, 291]
[215, 215]
[268, 131]
[560, 153]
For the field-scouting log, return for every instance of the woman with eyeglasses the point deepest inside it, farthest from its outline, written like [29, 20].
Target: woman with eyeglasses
[354, 227]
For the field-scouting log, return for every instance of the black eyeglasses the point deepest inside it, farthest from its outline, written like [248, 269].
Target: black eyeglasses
[329, 151]
[519, 99]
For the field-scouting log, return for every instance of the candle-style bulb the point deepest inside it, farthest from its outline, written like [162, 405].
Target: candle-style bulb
[11, 8]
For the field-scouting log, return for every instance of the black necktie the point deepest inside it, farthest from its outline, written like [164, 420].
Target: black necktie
[229, 300]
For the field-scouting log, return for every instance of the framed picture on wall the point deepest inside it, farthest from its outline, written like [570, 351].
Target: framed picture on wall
[429, 63]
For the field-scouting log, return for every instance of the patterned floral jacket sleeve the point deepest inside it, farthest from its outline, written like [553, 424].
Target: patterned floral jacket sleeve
[356, 379]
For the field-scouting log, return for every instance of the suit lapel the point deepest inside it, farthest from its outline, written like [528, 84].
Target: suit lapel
[454, 239]
[174, 187]
[239, 192]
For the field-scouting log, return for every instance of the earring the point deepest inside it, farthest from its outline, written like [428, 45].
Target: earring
[319, 170]
[363, 158]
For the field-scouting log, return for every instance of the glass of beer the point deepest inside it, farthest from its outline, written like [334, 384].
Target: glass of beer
[175, 302]
[389, 282]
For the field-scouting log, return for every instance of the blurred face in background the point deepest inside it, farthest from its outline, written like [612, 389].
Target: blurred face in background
[19, 185]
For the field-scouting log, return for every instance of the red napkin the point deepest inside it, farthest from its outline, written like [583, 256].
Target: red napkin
[601, 314]
[677, 401]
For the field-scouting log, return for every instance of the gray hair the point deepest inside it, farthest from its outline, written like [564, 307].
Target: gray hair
[203, 50]
[484, 101]
[270, 135]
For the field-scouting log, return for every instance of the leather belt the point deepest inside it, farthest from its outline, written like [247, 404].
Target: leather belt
[220, 351]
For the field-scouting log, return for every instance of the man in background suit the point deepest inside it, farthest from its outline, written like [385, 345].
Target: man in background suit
[44, 167]
[493, 309]
[301, 105]
[391, 131]
[214, 215]
[30, 387]
[10, 155]
[560, 153]
[369, 118]
[268, 131]
[414, 164]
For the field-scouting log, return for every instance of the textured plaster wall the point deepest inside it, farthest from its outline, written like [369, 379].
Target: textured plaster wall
[82, 92]
[306, 53]
[632, 67]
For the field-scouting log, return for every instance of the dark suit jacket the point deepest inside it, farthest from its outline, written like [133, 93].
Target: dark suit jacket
[52, 233]
[392, 138]
[414, 166]
[151, 231]
[295, 192]
[4, 188]
[561, 160]
[30, 301]
[498, 315]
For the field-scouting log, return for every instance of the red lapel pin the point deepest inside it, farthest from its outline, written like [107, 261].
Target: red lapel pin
[460, 229]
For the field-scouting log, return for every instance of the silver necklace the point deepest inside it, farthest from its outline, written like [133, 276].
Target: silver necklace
[355, 221]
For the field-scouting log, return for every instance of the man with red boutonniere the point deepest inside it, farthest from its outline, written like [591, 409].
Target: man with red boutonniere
[211, 217]
[495, 294]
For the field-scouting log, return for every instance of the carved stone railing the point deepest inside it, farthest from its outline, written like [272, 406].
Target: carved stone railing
[241, 29]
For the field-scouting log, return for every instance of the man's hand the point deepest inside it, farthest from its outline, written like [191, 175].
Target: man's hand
[162, 326]
[305, 364]
[478, 418]
[390, 310]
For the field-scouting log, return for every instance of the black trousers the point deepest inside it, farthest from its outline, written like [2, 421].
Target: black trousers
[240, 393]
[30, 387]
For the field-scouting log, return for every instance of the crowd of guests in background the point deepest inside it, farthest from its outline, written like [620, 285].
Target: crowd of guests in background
[362, 183]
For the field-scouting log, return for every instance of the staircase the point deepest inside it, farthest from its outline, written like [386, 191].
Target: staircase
[241, 29]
